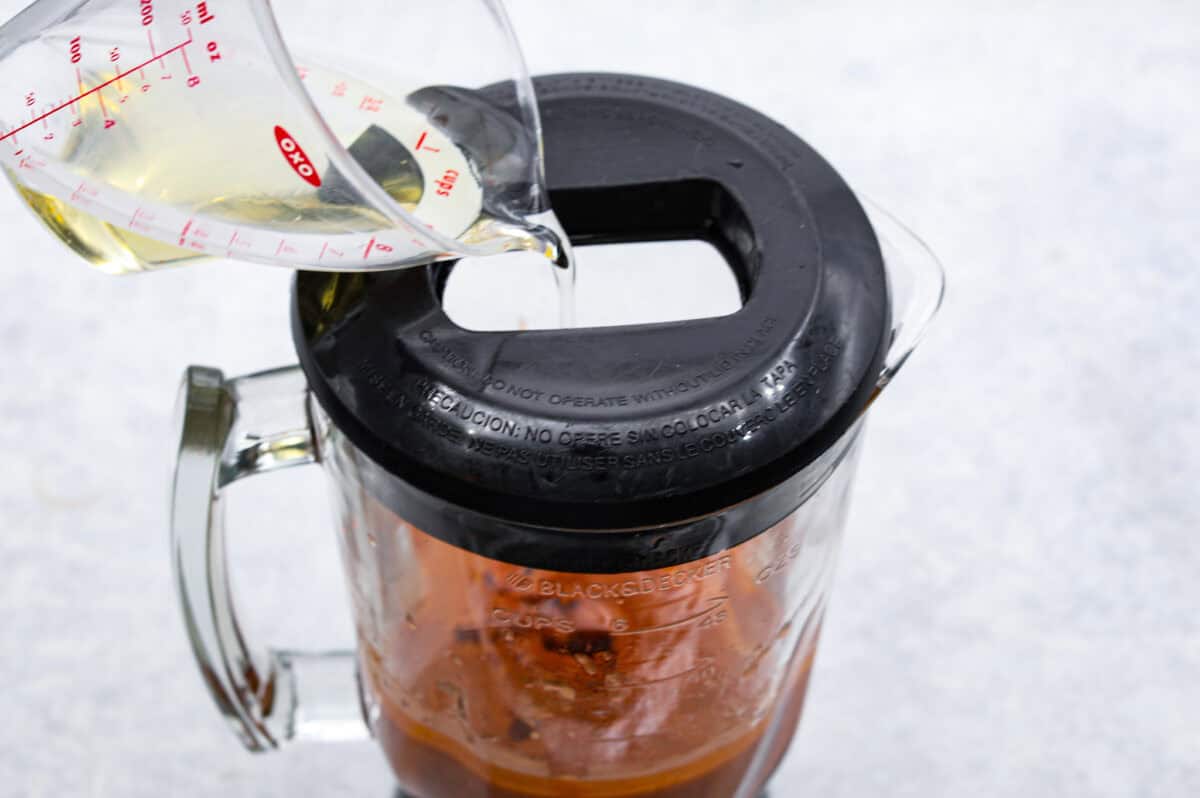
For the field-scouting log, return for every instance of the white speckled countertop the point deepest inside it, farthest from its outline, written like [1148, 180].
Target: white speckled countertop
[1017, 610]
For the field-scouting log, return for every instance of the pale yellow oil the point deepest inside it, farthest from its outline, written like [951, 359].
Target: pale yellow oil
[117, 250]
[119, 159]
[149, 153]
[104, 246]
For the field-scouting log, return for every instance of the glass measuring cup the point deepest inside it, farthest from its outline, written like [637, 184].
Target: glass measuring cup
[146, 132]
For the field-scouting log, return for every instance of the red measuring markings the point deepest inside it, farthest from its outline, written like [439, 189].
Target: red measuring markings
[446, 184]
[95, 89]
[142, 220]
[74, 110]
[114, 55]
[104, 110]
[84, 193]
[153, 52]
[421, 141]
[337, 253]
[240, 240]
[197, 232]
[374, 244]
[193, 80]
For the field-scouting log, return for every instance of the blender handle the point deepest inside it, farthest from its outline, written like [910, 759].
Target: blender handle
[916, 286]
[229, 429]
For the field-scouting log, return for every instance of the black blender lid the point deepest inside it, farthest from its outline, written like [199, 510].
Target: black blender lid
[635, 426]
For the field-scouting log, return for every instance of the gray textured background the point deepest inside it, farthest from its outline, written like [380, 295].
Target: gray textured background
[1017, 610]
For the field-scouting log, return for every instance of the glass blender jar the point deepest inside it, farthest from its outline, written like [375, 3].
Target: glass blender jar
[584, 562]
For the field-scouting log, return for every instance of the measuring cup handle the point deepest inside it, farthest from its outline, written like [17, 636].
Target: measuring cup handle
[916, 285]
[230, 429]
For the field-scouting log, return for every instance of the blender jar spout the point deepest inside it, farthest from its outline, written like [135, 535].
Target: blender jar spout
[916, 286]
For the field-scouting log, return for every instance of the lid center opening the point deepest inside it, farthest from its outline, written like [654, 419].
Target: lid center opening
[645, 282]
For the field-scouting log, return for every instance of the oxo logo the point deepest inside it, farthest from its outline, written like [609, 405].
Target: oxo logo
[296, 157]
